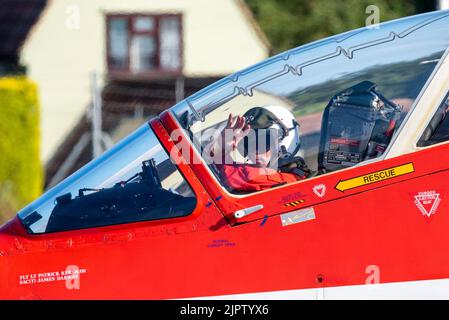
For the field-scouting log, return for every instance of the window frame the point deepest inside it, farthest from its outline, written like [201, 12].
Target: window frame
[443, 103]
[441, 99]
[156, 72]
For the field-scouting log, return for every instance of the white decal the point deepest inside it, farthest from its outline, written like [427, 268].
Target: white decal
[427, 202]
[71, 274]
[297, 216]
[320, 190]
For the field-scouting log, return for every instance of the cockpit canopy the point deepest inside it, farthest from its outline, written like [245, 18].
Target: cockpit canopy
[389, 65]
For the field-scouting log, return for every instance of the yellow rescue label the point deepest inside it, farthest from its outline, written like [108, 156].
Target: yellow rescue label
[374, 177]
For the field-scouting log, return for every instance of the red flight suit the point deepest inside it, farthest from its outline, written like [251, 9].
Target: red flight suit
[245, 177]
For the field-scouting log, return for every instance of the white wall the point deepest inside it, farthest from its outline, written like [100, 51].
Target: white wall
[62, 50]
[443, 4]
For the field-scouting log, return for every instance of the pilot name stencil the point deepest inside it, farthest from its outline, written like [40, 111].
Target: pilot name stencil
[220, 243]
[46, 277]
[427, 202]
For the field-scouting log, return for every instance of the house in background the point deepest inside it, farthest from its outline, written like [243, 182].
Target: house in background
[105, 66]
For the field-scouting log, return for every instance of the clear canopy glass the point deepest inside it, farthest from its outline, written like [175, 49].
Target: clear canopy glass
[134, 181]
[397, 57]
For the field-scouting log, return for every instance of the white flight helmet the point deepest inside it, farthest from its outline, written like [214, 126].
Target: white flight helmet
[281, 119]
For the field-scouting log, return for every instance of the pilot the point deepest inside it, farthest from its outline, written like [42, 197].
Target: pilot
[269, 139]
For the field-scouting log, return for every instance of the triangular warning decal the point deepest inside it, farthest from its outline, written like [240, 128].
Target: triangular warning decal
[427, 202]
[320, 190]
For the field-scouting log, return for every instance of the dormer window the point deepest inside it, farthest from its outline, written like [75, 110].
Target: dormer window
[142, 44]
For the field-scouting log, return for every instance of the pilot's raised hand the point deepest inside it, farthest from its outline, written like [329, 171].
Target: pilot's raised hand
[223, 144]
[236, 129]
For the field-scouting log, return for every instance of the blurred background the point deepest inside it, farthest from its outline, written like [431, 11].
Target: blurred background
[76, 76]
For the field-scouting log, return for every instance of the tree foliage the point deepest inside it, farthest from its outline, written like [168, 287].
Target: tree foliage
[290, 23]
[20, 168]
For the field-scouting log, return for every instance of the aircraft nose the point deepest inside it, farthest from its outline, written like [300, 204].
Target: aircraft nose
[5, 245]
[8, 233]
[4, 266]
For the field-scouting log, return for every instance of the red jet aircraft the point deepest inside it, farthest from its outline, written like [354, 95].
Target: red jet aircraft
[367, 216]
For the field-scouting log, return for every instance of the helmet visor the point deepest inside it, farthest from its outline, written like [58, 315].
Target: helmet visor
[260, 141]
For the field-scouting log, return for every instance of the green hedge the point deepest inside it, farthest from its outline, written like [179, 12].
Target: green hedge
[290, 23]
[21, 174]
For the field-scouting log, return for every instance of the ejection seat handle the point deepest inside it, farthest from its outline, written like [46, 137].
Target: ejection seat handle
[247, 211]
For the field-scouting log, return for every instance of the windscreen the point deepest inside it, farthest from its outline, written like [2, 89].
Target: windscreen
[134, 181]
